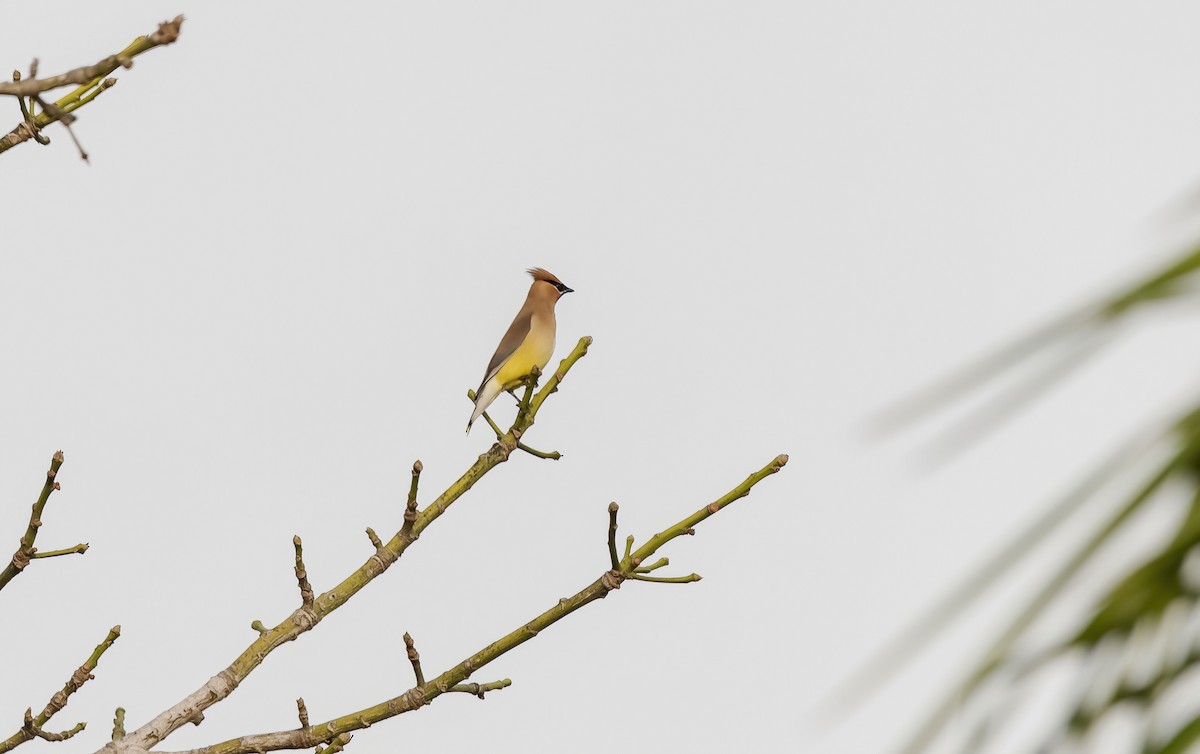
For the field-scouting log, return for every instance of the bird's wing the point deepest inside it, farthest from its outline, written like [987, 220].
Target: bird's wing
[511, 341]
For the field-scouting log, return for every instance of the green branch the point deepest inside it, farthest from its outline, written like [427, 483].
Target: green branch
[92, 80]
[455, 678]
[479, 689]
[26, 551]
[308, 616]
[33, 727]
[612, 535]
[79, 549]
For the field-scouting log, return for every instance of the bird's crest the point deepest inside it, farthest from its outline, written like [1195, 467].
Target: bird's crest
[539, 274]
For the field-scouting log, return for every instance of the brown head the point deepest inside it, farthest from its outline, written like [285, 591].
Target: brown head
[547, 285]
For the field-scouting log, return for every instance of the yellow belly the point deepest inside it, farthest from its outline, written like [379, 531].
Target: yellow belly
[535, 351]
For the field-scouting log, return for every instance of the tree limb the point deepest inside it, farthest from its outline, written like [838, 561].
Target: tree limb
[454, 678]
[303, 619]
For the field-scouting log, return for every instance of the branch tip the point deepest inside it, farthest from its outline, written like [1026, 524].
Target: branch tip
[614, 561]
[118, 731]
[415, 658]
[306, 592]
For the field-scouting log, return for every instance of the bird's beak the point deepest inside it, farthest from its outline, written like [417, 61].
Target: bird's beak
[567, 290]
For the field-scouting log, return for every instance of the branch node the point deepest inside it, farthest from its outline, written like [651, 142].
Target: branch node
[371, 535]
[612, 580]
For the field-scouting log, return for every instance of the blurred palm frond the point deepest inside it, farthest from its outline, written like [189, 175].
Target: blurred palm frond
[1136, 650]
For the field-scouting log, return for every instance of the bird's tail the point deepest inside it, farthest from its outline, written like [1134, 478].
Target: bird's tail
[483, 398]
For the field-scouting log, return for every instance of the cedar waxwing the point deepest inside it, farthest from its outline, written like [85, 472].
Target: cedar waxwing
[529, 341]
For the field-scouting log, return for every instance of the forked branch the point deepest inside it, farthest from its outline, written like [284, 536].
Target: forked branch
[91, 80]
[454, 679]
[306, 617]
[26, 552]
[34, 726]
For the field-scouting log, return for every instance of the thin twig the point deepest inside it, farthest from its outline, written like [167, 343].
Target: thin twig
[415, 658]
[118, 731]
[79, 549]
[666, 579]
[410, 508]
[653, 566]
[479, 689]
[553, 455]
[306, 592]
[612, 535]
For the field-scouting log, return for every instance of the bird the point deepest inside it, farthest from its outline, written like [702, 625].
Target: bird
[528, 343]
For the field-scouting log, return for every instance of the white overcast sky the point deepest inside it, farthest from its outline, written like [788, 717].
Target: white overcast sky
[304, 230]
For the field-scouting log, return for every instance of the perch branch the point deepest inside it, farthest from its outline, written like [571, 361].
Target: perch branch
[553, 455]
[25, 550]
[226, 681]
[426, 693]
[33, 727]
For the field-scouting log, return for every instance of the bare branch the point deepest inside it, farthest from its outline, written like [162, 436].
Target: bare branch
[34, 726]
[612, 535]
[667, 579]
[118, 731]
[410, 509]
[426, 693]
[415, 658]
[653, 566]
[80, 549]
[92, 80]
[302, 620]
[306, 592]
[302, 712]
[26, 551]
[479, 689]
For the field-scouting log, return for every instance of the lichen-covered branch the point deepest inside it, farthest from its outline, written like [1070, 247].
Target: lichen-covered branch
[305, 618]
[91, 80]
[25, 550]
[34, 725]
[455, 678]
